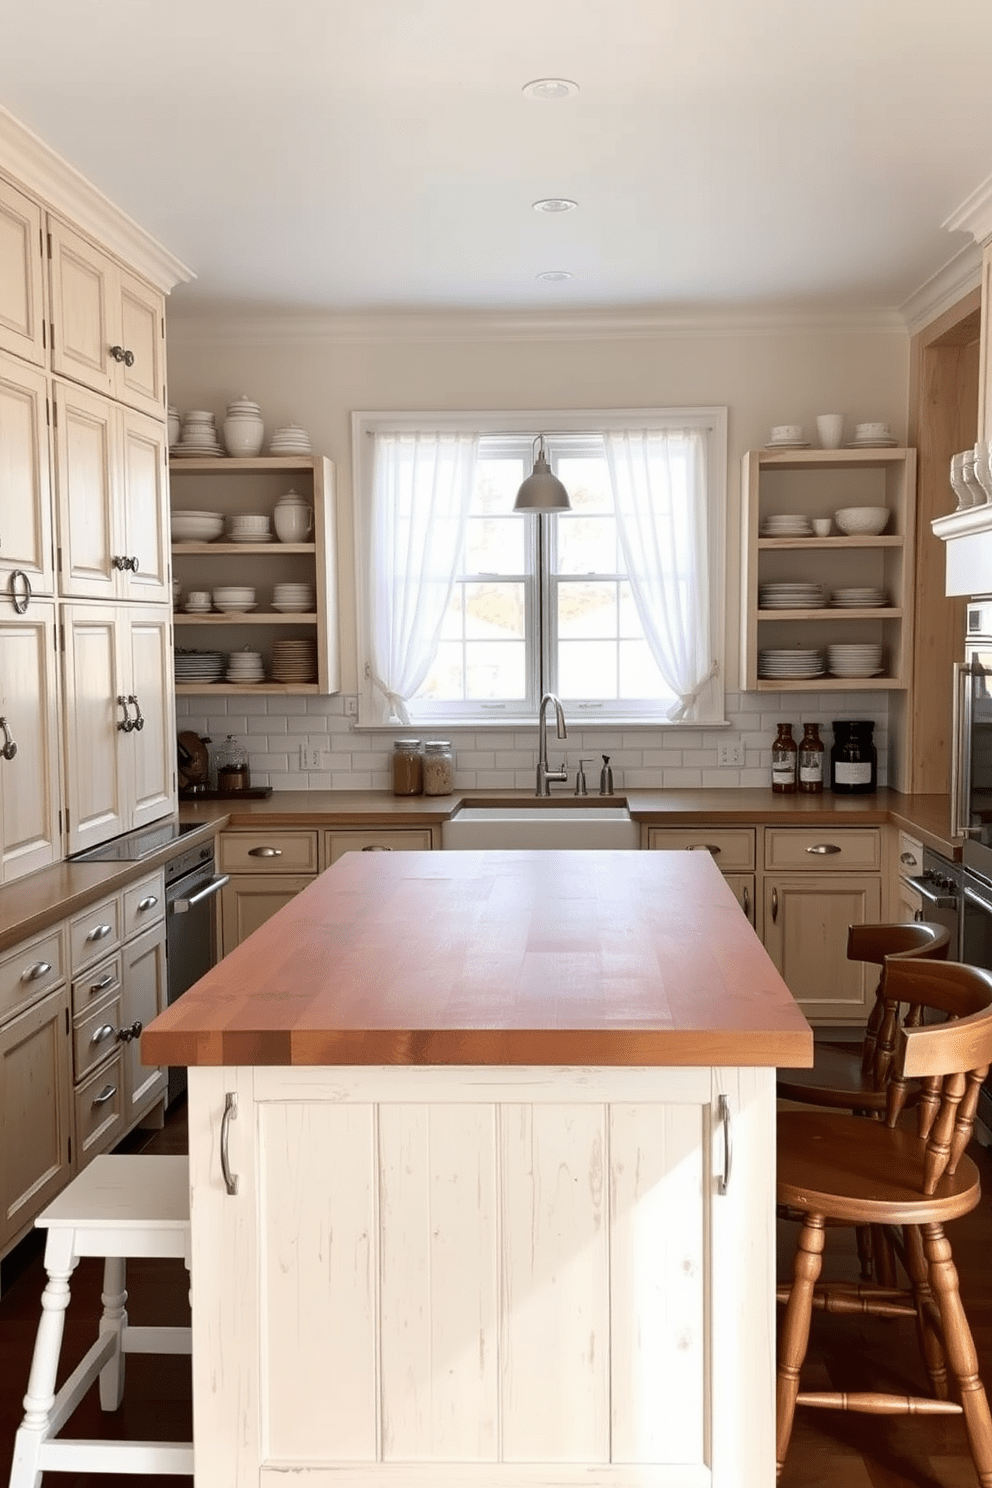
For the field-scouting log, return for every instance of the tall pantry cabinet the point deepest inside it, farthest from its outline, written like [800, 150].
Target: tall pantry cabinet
[86, 708]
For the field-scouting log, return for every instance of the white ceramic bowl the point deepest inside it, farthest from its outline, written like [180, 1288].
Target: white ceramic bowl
[862, 521]
[196, 526]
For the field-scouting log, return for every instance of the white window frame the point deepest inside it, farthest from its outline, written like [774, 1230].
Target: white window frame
[713, 420]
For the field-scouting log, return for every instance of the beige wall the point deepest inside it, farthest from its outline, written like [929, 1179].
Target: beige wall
[762, 377]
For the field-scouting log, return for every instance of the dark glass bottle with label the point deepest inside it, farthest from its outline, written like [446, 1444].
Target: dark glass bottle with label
[811, 760]
[784, 756]
[853, 758]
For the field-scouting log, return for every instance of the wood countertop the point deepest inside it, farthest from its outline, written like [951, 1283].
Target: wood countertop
[497, 958]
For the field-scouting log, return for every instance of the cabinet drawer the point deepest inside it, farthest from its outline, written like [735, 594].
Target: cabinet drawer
[30, 969]
[823, 851]
[95, 984]
[732, 847]
[394, 839]
[268, 852]
[100, 1109]
[94, 932]
[95, 1035]
[144, 904]
[910, 856]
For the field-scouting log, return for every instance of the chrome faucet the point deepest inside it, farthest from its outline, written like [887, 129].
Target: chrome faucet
[544, 775]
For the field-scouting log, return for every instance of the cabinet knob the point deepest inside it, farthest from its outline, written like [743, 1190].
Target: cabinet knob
[127, 1034]
[122, 354]
[9, 746]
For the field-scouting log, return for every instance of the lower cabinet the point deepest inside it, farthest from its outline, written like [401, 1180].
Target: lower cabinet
[35, 1115]
[247, 901]
[411, 1254]
[267, 869]
[341, 840]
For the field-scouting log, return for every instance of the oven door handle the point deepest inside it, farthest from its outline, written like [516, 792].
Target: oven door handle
[190, 901]
[983, 901]
[935, 899]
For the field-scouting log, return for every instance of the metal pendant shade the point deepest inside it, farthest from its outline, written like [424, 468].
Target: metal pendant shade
[542, 491]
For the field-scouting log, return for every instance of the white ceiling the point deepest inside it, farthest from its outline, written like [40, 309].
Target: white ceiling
[352, 155]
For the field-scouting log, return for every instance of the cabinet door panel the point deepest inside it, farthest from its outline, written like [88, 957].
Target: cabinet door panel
[83, 288]
[25, 475]
[34, 1111]
[96, 789]
[743, 887]
[805, 933]
[145, 508]
[247, 902]
[86, 482]
[29, 783]
[142, 311]
[21, 275]
[144, 997]
[153, 745]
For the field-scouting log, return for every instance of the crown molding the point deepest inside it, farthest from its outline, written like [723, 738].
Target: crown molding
[958, 277]
[974, 215]
[234, 327]
[37, 169]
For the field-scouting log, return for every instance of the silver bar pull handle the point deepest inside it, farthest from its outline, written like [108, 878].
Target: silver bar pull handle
[774, 906]
[723, 1112]
[823, 849]
[230, 1113]
[107, 1093]
[102, 984]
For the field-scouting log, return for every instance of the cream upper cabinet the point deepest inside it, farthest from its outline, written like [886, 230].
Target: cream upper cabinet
[119, 722]
[112, 489]
[25, 480]
[29, 742]
[22, 277]
[108, 327]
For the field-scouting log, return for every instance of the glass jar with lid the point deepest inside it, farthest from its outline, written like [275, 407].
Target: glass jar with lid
[232, 766]
[408, 768]
[853, 757]
[439, 767]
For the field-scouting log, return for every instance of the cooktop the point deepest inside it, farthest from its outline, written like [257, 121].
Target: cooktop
[133, 846]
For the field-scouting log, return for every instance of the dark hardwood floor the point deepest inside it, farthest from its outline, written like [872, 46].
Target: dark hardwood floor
[829, 1449]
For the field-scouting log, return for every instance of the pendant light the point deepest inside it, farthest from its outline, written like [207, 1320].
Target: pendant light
[542, 491]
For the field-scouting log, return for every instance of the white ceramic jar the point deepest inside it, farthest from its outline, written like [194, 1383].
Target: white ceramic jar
[244, 429]
[293, 518]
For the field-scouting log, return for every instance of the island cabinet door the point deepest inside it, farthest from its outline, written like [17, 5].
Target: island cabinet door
[455, 1276]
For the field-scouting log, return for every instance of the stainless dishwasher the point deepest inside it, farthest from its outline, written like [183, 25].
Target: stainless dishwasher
[190, 927]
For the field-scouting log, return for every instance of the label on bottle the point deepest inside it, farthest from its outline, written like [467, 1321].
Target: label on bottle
[849, 774]
[811, 769]
[784, 773]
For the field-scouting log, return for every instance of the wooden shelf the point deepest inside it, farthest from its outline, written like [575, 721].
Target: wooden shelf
[211, 549]
[244, 617]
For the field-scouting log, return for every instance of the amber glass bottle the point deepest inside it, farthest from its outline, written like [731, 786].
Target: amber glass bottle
[784, 756]
[811, 760]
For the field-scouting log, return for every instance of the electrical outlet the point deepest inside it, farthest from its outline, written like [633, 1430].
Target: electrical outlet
[351, 707]
[310, 757]
[732, 754]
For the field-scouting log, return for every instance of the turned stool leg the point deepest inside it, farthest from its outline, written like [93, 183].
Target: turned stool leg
[931, 1344]
[114, 1320]
[795, 1330]
[960, 1348]
[40, 1398]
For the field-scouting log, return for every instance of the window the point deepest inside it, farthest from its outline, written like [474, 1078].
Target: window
[468, 611]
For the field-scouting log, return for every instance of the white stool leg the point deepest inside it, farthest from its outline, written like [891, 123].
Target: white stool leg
[114, 1320]
[38, 1402]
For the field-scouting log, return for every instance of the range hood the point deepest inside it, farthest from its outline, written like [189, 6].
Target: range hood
[967, 537]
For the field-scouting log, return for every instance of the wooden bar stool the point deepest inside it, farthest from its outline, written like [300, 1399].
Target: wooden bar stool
[118, 1207]
[838, 1169]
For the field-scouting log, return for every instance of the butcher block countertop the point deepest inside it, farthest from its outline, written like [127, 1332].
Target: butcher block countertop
[496, 958]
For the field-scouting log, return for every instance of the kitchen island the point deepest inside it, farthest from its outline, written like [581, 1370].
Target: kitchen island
[482, 1168]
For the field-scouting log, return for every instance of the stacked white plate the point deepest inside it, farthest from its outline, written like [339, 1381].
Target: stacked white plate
[290, 440]
[855, 660]
[866, 598]
[774, 444]
[294, 661]
[792, 665]
[872, 444]
[791, 597]
[250, 527]
[235, 599]
[294, 599]
[199, 666]
[245, 666]
[786, 525]
[198, 437]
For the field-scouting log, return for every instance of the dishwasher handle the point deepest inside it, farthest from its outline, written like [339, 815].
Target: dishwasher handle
[186, 902]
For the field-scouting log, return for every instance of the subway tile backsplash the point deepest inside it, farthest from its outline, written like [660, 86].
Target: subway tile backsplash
[274, 729]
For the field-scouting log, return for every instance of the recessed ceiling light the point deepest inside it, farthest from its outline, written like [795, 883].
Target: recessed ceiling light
[555, 276]
[555, 204]
[551, 88]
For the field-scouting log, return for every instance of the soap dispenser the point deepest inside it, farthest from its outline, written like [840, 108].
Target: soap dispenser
[606, 778]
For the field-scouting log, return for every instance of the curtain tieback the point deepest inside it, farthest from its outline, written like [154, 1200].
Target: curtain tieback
[397, 704]
[688, 699]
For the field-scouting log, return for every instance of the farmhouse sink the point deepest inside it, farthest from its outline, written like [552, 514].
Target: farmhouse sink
[536, 824]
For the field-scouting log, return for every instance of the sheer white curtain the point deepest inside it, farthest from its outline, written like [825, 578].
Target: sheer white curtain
[421, 489]
[659, 491]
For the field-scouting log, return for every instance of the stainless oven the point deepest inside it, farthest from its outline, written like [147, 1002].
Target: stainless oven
[190, 927]
[939, 889]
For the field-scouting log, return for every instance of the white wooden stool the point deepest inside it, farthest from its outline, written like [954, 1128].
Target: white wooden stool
[117, 1207]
